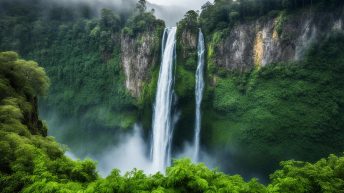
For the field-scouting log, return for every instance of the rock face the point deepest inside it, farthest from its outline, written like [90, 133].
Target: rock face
[31, 119]
[270, 40]
[138, 55]
[188, 43]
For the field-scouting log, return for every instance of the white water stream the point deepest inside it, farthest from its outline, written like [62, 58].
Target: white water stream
[162, 118]
[199, 95]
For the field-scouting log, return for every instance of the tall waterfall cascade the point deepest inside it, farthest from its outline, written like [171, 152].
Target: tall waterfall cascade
[162, 118]
[199, 87]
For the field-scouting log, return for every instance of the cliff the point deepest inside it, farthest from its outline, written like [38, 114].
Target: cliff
[21, 81]
[139, 55]
[271, 39]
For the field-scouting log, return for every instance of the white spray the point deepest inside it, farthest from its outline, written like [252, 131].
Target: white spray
[199, 94]
[162, 119]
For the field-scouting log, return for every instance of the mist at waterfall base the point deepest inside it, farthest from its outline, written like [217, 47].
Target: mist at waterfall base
[131, 149]
[133, 152]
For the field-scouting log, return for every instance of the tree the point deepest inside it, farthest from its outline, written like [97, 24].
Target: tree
[141, 6]
[109, 20]
[29, 76]
[190, 19]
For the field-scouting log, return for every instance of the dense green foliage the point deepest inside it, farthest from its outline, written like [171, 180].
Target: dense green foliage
[142, 22]
[20, 82]
[81, 54]
[223, 14]
[281, 111]
[254, 119]
[27, 158]
[186, 65]
[33, 163]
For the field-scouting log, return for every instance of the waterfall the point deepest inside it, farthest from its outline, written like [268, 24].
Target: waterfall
[162, 119]
[199, 94]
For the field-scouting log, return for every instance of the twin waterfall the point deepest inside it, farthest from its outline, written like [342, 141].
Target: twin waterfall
[199, 94]
[162, 117]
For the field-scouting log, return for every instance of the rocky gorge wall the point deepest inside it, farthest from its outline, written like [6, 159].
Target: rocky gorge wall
[269, 81]
[283, 37]
[138, 56]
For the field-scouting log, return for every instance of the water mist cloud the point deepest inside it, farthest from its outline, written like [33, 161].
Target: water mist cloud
[95, 2]
[195, 4]
[129, 154]
[173, 11]
[97, 5]
[204, 157]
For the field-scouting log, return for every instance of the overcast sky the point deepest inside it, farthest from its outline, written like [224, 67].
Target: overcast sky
[190, 4]
[172, 11]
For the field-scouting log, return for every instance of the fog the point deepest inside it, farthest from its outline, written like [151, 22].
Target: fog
[181, 3]
[169, 11]
[103, 3]
[97, 5]
[173, 11]
[170, 14]
[124, 151]
[132, 152]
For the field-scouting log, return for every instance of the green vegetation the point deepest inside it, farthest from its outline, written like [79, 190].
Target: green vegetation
[186, 65]
[81, 53]
[30, 162]
[143, 21]
[223, 14]
[254, 119]
[281, 111]
[20, 82]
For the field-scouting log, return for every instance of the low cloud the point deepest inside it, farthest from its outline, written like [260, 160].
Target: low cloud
[130, 153]
[173, 11]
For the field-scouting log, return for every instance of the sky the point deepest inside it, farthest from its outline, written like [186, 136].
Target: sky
[191, 4]
[172, 11]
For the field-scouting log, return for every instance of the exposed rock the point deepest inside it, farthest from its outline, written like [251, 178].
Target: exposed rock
[188, 42]
[31, 119]
[138, 59]
[259, 43]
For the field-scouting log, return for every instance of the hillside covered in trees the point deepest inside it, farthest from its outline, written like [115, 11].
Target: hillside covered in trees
[32, 162]
[273, 92]
[80, 45]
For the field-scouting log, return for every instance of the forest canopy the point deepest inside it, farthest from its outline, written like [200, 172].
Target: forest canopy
[30, 162]
[223, 14]
[77, 53]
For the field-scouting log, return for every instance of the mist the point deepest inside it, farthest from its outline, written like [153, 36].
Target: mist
[169, 11]
[119, 5]
[133, 152]
[170, 14]
[130, 153]
[111, 148]
[173, 11]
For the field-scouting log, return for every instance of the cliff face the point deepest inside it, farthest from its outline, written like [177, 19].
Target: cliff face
[138, 55]
[275, 39]
[188, 42]
[186, 63]
[31, 119]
